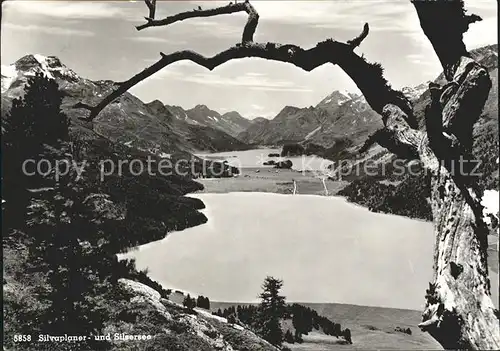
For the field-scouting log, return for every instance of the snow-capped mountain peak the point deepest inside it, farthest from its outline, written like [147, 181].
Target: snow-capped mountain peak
[30, 65]
[347, 94]
[42, 60]
[337, 98]
[414, 93]
[50, 66]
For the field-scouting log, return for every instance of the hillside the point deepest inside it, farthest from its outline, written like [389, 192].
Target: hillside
[258, 120]
[231, 123]
[127, 120]
[292, 124]
[61, 238]
[200, 135]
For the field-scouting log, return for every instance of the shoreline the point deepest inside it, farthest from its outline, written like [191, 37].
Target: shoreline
[265, 185]
[217, 224]
[201, 195]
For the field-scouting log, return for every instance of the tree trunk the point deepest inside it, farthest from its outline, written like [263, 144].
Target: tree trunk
[459, 313]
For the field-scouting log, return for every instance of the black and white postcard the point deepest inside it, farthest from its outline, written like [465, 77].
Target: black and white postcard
[250, 175]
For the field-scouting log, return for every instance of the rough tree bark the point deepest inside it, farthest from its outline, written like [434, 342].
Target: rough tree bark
[459, 311]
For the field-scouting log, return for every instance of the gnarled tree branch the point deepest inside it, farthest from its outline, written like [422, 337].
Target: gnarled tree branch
[367, 76]
[459, 312]
[444, 23]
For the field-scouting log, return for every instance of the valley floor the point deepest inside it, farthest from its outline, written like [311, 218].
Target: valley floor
[270, 180]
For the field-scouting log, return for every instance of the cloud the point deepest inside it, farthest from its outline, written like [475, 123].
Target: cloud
[481, 6]
[147, 39]
[419, 59]
[301, 12]
[256, 74]
[215, 27]
[66, 9]
[257, 107]
[381, 16]
[282, 88]
[248, 81]
[320, 14]
[479, 34]
[48, 29]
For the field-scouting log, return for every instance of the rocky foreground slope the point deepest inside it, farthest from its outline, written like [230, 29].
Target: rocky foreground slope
[61, 238]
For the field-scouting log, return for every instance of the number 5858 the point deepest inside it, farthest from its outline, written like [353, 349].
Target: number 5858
[22, 337]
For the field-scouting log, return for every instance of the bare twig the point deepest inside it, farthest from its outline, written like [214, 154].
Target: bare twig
[367, 76]
[248, 31]
[357, 41]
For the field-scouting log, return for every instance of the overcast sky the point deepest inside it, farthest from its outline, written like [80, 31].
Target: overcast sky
[98, 40]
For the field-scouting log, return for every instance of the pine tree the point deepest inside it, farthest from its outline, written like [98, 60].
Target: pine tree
[200, 301]
[62, 233]
[36, 117]
[302, 320]
[231, 318]
[337, 329]
[69, 248]
[35, 120]
[189, 302]
[271, 311]
[77, 272]
[289, 337]
[347, 335]
[297, 322]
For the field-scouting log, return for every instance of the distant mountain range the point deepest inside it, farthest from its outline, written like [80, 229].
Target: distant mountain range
[340, 116]
[128, 120]
[230, 122]
[342, 121]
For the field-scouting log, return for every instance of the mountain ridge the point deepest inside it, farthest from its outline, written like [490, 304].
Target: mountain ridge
[347, 114]
[148, 126]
